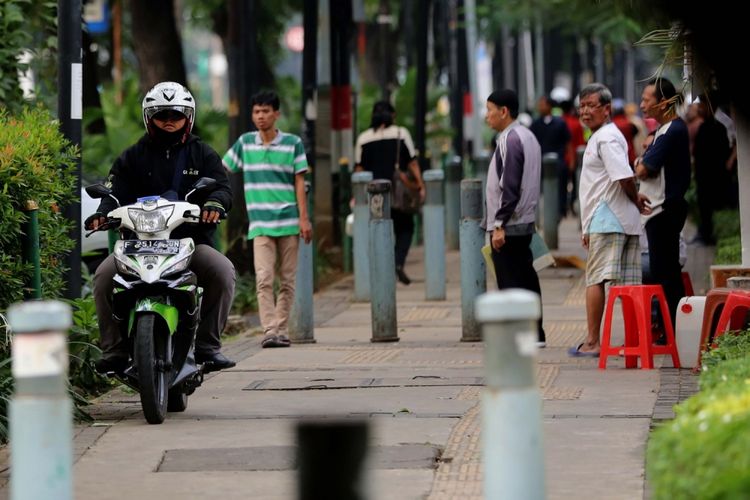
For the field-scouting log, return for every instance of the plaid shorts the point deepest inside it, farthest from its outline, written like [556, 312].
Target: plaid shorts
[614, 257]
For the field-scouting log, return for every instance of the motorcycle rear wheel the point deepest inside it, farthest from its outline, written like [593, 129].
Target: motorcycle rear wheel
[153, 379]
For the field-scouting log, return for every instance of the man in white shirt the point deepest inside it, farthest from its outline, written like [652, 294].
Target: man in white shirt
[610, 211]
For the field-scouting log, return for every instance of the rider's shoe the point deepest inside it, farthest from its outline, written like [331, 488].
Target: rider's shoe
[213, 361]
[114, 364]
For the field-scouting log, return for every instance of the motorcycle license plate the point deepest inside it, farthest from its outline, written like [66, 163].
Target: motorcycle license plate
[151, 247]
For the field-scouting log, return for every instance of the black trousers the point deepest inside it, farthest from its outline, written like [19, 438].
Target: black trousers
[663, 233]
[403, 229]
[514, 268]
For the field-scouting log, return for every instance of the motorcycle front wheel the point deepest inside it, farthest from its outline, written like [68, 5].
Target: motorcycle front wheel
[151, 359]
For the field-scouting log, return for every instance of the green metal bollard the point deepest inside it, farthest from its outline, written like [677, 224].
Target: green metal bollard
[301, 318]
[382, 263]
[31, 253]
[361, 236]
[41, 413]
[512, 450]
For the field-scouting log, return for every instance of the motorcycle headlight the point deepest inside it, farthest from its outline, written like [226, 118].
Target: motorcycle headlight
[177, 267]
[124, 268]
[151, 221]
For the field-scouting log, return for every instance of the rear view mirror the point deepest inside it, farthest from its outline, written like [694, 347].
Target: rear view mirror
[98, 191]
[200, 184]
[203, 183]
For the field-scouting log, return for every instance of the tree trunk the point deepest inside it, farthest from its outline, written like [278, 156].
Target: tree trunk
[156, 43]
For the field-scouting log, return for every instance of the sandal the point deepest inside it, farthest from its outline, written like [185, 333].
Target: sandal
[576, 352]
[275, 341]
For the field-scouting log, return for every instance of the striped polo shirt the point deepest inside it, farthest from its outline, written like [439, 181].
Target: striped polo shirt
[269, 171]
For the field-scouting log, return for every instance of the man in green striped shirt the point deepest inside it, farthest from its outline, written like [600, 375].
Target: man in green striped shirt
[273, 164]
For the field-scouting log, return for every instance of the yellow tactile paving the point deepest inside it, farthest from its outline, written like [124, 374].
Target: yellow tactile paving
[425, 313]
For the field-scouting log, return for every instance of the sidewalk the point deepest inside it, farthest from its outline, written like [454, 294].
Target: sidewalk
[420, 396]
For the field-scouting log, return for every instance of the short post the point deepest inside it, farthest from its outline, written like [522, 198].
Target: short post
[473, 268]
[301, 318]
[41, 413]
[511, 403]
[31, 254]
[382, 263]
[361, 236]
[453, 174]
[433, 213]
[550, 183]
[330, 458]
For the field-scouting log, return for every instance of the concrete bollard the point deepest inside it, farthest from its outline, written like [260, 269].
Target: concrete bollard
[361, 236]
[453, 174]
[433, 213]
[41, 413]
[550, 188]
[382, 258]
[473, 268]
[301, 319]
[331, 458]
[511, 404]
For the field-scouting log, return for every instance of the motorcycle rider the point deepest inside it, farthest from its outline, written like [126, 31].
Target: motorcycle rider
[166, 161]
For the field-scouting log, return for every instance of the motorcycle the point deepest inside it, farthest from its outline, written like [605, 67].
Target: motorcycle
[156, 298]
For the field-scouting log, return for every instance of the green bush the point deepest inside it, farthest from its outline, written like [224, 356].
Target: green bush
[726, 223]
[36, 163]
[728, 250]
[245, 298]
[727, 229]
[728, 347]
[702, 453]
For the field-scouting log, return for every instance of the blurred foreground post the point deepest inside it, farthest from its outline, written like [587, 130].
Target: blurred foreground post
[511, 404]
[41, 413]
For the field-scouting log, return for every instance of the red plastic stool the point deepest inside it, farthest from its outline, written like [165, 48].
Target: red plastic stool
[734, 314]
[715, 301]
[636, 311]
[688, 284]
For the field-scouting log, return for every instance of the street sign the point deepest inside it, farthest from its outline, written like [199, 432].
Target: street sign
[96, 16]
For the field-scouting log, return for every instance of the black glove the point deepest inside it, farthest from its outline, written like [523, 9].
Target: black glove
[211, 208]
[89, 222]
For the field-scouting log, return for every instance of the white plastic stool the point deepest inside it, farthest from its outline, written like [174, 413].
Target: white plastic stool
[688, 329]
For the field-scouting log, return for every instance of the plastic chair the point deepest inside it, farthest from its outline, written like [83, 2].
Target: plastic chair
[636, 311]
[715, 301]
[734, 313]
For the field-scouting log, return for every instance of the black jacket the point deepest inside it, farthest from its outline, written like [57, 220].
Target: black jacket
[148, 169]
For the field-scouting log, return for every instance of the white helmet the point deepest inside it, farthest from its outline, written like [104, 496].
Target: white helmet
[166, 96]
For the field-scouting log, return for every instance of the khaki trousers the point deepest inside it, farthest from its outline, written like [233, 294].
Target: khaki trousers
[274, 314]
